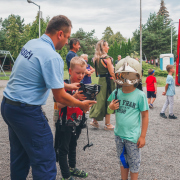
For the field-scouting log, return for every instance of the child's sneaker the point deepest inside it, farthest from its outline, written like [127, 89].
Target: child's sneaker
[70, 178]
[151, 105]
[78, 173]
[163, 115]
[172, 117]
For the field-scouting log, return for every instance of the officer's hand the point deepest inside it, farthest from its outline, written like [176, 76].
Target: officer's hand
[73, 86]
[87, 104]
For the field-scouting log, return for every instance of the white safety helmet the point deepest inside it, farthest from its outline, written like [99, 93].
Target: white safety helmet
[128, 72]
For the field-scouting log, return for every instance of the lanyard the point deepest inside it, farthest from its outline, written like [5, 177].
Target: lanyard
[122, 158]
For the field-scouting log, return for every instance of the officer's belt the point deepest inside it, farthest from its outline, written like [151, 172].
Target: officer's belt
[16, 103]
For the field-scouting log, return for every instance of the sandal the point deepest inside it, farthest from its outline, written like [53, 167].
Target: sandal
[108, 128]
[95, 124]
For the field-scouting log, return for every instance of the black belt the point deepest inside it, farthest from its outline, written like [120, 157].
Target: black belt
[16, 103]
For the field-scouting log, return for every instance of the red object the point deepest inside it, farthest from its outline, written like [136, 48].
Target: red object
[150, 80]
[73, 110]
[177, 77]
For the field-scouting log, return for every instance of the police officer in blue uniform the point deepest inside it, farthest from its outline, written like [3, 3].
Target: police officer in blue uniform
[37, 70]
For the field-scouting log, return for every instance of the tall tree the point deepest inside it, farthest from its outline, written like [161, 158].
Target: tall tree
[116, 37]
[63, 52]
[108, 32]
[129, 46]
[111, 51]
[20, 22]
[25, 35]
[116, 51]
[87, 42]
[123, 50]
[2, 36]
[34, 28]
[156, 37]
[14, 30]
[11, 27]
[163, 11]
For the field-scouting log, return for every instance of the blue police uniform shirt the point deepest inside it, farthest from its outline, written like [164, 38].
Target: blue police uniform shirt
[171, 86]
[69, 56]
[37, 69]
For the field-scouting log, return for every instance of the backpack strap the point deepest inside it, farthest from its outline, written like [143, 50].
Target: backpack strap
[116, 93]
[95, 65]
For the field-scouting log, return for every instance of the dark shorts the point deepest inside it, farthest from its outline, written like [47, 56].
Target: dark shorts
[151, 94]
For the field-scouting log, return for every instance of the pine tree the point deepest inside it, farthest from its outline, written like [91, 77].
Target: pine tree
[119, 49]
[115, 54]
[123, 50]
[111, 51]
[13, 36]
[87, 42]
[163, 11]
[126, 49]
[63, 52]
[108, 32]
[34, 28]
[156, 37]
[25, 35]
[129, 46]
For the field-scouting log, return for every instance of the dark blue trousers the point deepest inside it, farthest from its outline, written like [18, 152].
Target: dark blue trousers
[31, 142]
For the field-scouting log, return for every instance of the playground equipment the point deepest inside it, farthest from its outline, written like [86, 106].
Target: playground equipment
[177, 77]
[6, 53]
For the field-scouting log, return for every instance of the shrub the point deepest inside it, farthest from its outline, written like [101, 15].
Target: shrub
[158, 71]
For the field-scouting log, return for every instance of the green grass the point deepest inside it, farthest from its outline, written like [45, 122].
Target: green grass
[161, 81]
[2, 77]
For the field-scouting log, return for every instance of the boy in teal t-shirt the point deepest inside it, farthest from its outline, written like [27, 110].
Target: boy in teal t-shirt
[169, 92]
[130, 105]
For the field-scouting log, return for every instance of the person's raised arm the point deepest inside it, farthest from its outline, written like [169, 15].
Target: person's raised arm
[92, 69]
[60, 106]
[77, 95]
[73, 86]
[66, 99]
[87, 72]
[110, 67]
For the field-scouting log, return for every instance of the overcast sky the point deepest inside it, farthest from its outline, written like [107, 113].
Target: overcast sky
[120, 15]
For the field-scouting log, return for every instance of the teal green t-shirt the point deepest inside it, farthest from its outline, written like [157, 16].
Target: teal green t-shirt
[128, 116]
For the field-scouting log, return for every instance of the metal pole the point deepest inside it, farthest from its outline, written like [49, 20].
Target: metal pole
[39, 23]
[140, 34]
[171, 38]
[171, 34]
[29, 1]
